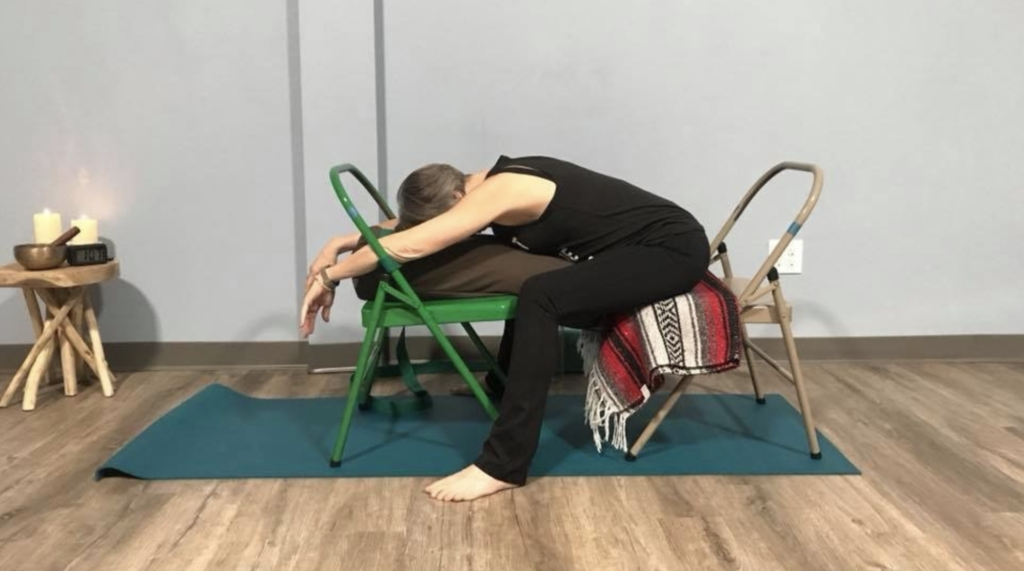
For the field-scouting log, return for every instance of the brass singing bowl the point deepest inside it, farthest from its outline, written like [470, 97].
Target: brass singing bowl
[40, 256]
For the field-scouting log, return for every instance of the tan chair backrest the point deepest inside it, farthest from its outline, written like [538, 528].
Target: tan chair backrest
[787, 236]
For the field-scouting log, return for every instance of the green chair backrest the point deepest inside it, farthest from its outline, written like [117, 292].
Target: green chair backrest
[405, 292]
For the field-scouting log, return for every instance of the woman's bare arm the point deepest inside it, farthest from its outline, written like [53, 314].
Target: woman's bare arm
[349, 242]
[472, 214]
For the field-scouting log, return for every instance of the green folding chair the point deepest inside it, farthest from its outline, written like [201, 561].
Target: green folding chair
[396, 304]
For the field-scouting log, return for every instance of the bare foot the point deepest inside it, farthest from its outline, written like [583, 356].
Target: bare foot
[469, 484]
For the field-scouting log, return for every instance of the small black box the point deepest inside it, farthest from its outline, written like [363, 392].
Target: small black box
[87, 254]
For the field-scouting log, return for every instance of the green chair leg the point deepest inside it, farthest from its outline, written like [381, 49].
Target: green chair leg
[355, 393]
[460, 365]
[396, 406]
[372, 368]
[492, 364]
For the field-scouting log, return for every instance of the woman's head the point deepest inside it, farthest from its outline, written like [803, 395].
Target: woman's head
[427, 192]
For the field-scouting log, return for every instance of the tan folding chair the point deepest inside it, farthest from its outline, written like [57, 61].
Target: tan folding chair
[758, 303]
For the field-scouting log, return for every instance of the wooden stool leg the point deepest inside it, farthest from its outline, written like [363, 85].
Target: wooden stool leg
[45, 342]
[77, 321]
[67, 356]
[59, 298]
[56, 294]
[82, 350]
[32, 305]
[97, 346]
[39, 368]
[33, 310]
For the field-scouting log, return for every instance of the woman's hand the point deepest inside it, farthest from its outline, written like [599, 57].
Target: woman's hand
[325, 259]
[318, 300]
[338, 245]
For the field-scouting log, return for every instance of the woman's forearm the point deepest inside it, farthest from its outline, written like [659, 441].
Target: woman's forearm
[349, 242]
[362, 261]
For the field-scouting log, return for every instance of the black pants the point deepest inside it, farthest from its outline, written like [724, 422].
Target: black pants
[504, 358]
[579, 296]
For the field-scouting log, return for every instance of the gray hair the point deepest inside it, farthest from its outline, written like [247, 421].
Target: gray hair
[428, 192]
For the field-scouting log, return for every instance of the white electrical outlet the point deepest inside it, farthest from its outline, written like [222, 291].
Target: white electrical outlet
[792, 259]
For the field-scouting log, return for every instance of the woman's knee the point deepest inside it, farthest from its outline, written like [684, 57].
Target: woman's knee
[537, 292]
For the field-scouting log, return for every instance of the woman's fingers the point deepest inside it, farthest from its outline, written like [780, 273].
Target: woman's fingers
[309, 321]
[308, 305]
[317, 300]
[328, 302]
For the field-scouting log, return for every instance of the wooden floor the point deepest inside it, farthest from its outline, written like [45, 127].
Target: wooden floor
[941, 446]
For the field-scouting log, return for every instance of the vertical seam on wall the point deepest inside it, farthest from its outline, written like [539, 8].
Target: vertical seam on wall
[298, 151]
[381, 102]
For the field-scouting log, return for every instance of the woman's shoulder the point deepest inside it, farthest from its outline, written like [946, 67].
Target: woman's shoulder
[535, 165]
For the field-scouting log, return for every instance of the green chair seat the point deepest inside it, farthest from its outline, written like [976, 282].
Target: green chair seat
[473, 309]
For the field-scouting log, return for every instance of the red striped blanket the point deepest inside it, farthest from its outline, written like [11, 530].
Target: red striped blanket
[694, 333]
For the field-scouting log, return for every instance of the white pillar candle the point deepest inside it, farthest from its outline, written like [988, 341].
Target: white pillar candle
[89, 233]
[47, 226]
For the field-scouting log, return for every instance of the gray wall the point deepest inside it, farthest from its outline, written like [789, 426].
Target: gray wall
[169, 122]
[200, 135]
[913, 109]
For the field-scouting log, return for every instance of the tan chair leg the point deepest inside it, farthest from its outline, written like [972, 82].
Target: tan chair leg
[659, 416]
[750, 364]
[797, 371]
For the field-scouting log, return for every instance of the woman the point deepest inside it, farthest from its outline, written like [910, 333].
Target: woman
[629, 248]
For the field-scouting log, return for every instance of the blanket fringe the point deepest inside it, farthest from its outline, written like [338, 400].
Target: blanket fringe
[601, 415]
[589, 346]
[607, 424]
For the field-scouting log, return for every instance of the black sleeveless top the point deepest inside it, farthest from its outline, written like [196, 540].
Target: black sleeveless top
[591, 212]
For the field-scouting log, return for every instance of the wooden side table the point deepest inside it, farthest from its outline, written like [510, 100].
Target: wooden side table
[67, 315]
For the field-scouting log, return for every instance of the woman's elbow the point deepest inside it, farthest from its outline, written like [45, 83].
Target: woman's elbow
[403, 253]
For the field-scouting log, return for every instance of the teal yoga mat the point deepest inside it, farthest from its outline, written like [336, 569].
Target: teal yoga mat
[220, 433]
